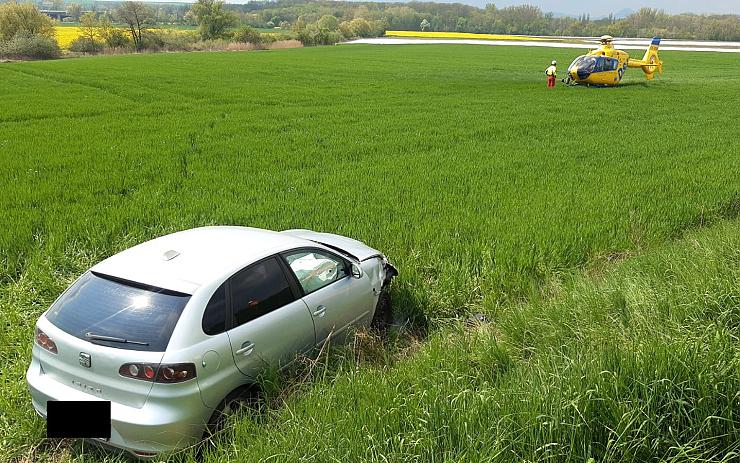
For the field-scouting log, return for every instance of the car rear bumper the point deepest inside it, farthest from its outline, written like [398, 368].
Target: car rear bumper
[162, 424]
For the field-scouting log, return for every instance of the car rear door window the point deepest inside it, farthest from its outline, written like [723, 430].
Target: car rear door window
[259, 289]
[214, 317]
[315, 269]
[140, 317]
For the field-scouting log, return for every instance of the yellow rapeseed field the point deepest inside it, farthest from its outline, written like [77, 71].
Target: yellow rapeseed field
[66, 34]
[458, 35]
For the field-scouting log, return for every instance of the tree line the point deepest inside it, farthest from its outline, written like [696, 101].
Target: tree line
[521, 19]
[134, 25]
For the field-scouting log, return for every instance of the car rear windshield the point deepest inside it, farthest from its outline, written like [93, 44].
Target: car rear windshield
[118, 313]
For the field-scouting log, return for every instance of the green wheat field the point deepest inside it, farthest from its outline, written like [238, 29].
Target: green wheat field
[597, 229]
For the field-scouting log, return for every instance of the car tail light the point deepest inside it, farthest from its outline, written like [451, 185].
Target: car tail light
[45, 341]
[158, 373]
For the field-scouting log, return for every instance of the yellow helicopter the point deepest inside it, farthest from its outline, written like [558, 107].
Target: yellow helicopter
[606, 65]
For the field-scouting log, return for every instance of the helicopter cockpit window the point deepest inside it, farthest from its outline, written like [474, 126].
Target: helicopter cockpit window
[574, 63]
[585, 64]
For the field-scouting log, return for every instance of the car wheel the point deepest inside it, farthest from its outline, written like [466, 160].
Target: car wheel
[383, 313]
[238, 399]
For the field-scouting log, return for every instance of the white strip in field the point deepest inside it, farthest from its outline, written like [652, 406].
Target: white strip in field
[567, 42]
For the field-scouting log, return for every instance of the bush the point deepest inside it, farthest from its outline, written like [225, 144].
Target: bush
[275, 37]
[346, 29]
[246, 34]
[314, 35]
[85, 45]
[30, 46]
[360, 27]
[115, 38]
[169, 40]
[377, 28]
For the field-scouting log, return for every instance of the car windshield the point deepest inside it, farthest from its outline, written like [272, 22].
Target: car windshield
[118, 313]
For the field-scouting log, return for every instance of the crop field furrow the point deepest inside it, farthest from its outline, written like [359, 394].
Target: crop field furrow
[27, 96]
[67, 80]
[46, 118]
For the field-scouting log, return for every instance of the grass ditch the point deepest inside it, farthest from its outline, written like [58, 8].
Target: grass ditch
[639, 364]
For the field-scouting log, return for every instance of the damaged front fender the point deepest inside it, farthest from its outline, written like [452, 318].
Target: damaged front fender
[389, 272]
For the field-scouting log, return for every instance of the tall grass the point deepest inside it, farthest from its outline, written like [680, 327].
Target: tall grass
[486, 190]
[456, 163]
[639, 364]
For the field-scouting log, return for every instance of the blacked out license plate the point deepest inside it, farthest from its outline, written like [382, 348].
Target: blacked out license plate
[78, 419]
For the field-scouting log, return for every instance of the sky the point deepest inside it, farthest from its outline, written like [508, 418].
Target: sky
[602, 8]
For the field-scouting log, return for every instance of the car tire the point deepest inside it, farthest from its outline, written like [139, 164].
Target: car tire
[383, 313]
[235, 401]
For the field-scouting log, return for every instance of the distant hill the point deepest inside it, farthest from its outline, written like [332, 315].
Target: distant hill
[623, 13]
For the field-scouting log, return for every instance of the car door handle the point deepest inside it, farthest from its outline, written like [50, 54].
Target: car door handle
[320, 311]
[246, 349]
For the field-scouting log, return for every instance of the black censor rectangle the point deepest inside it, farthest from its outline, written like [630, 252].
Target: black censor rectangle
[80, 419]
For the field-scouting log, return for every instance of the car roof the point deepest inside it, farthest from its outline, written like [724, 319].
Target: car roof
[185, 260]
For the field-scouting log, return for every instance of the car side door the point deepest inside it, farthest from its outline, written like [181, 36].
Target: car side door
[335, 298]
[269, 323]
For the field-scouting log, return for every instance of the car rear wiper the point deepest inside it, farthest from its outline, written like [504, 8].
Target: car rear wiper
[100, 337]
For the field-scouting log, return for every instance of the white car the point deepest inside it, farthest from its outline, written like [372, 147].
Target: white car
[172, 330]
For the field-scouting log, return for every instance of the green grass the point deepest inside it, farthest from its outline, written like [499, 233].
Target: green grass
[640, 364]
[485, 189]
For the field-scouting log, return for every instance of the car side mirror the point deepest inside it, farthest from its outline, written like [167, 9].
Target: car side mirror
[355, 271]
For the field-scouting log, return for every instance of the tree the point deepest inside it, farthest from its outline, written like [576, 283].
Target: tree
[328, 22]
[75, 11]
[461, 24]
[425, 25]
[136, 16]
[212, 19]
[360, 27]
[26, 19]
[113, 37]
[88, 41]
[89, 26]
[299, 24]
[361, 11]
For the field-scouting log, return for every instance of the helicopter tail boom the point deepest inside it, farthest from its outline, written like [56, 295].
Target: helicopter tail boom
[650, 62]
